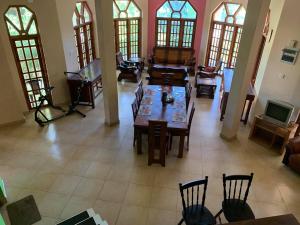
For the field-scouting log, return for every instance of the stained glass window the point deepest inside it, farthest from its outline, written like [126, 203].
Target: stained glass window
[127, 19]
[176, 24]
[26, 44]
[225, 34]
[84, 34]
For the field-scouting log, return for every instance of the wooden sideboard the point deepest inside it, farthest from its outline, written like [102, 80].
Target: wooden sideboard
[275, 131]
[226, 83]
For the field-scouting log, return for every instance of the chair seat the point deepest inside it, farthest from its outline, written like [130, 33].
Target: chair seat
[236, 210]
[196, 216]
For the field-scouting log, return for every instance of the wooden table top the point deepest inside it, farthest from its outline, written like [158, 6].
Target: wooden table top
[91, 72]
[288, 219]
[228, 76]
[174, 113]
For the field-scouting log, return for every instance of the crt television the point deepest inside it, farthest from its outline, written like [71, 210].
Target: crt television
[279, 112]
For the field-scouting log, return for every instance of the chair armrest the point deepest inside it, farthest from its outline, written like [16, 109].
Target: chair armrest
[294, 145]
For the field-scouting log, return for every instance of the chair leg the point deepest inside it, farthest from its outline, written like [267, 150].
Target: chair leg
[218, 216]
[134, 137]
[181, 221]
[188, 142]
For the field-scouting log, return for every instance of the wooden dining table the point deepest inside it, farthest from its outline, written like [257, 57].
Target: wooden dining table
[151, 108]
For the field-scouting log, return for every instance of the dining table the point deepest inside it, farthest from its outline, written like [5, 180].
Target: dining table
[152, 108]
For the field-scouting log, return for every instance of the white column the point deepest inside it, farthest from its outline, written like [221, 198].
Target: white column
[105, 25]
[252, 32]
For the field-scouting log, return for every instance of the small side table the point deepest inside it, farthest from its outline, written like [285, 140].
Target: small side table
[206, 86]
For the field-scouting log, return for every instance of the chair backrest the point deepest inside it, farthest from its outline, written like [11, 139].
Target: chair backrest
[135, 108]
[119, 58]
[191, 195]
[237, 187]
[188, 92]
[191, 116]
[157, 134]
[139, 94]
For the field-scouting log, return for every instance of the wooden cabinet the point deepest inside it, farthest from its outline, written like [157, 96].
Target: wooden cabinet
[272, 133]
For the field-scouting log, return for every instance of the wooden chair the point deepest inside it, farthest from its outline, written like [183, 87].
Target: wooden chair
[188, 89]
[194, 210]
[129, 70]
[188, 131]
[234, 206]
[135, 109]
[139, 94]
[157, 140]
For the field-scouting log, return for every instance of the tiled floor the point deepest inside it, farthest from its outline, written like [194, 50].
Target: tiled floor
[74, 164]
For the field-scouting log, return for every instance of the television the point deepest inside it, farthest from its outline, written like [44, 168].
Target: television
[279, 112]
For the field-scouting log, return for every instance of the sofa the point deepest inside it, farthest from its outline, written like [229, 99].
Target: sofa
[292, 154]
[169, 56]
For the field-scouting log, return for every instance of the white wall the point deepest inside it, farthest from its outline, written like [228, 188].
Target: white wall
[272, 85]
[65, 10]
[143, 4]
[211, 5]
[10, 110]
[47, 19]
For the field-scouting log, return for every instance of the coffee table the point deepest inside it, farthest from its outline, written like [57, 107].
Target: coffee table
[206, 86]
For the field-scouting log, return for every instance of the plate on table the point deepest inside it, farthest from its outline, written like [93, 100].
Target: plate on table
[145, 110]
[146, 101]
[179, 117]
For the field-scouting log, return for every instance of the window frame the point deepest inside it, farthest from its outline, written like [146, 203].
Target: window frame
[236, 31]
[128, 21]
[25, 36]
[84, 57]
[182, 26]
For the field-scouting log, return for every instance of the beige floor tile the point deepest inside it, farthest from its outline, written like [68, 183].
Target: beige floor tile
[109, 211]
[120, 173]
[52, 205]
[65, 184]
[75, 206]
[132, 215]
[143, 175]
[76, 167]
[163, 198]
[47, 221]
[98, 170]
[139, 195]
[161, 217]
[113, 191]
[88, 188]
[42, 181]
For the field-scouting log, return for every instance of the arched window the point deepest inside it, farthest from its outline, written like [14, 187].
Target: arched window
[84, 34]
[225, 34]
[127, 17]
[176, 24]
[26, 45]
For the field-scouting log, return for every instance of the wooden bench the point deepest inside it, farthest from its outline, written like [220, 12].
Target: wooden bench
[169, 56]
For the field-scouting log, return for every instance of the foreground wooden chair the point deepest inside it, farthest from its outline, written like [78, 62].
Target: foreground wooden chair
[234, 206]
[194, 210]
[135, 109]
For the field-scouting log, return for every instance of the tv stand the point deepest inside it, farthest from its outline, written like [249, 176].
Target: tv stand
[273, 131]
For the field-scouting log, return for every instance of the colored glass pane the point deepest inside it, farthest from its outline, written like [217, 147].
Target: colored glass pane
[165, 11]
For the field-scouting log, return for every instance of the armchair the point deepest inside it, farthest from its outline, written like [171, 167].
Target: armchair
[292, 154]
[209, 72]
[129, 70]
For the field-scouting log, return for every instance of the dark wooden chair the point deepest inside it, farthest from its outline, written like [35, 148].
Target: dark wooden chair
[194, 210]
[135, 109]
[188, 90]
[129, 70]
[139, 92]
[234, 206]
[157, 141]
[188, 131]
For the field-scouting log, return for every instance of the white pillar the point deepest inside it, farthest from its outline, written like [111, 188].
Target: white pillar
[252, 32]
[105, 25]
